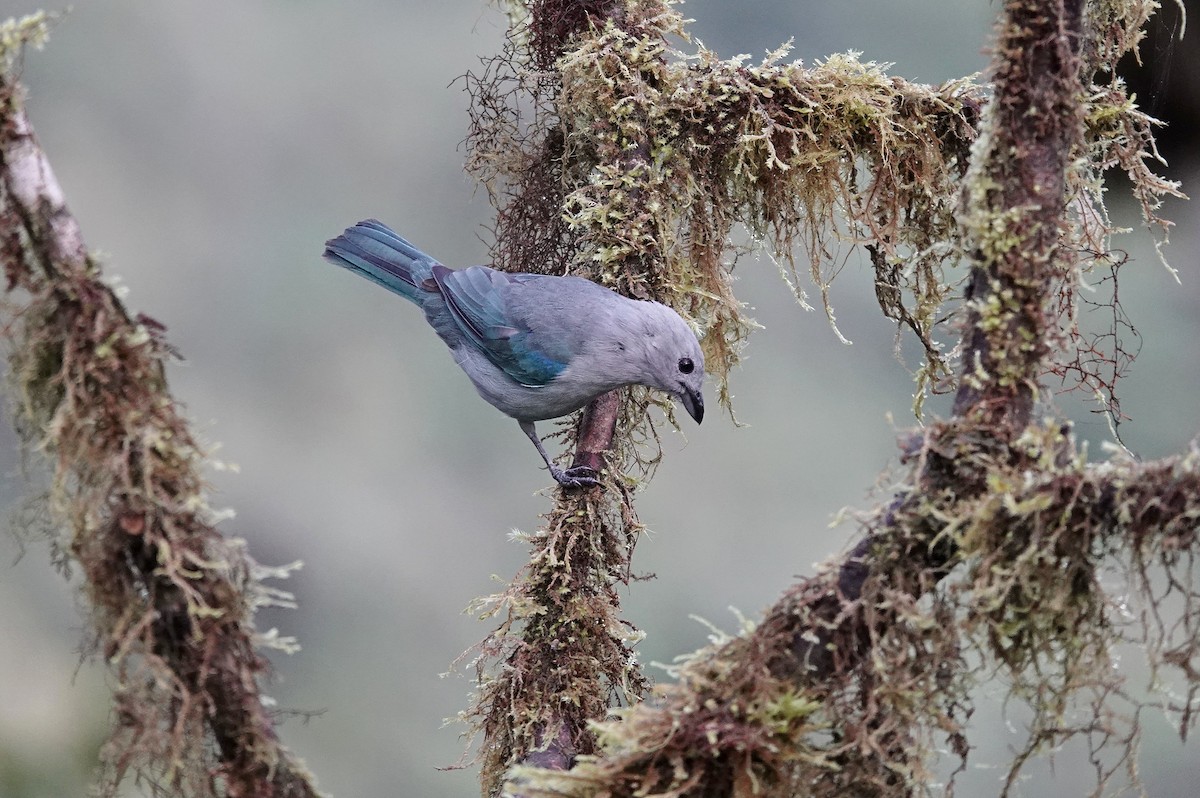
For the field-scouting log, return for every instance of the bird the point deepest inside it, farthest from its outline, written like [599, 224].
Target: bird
[535, 346]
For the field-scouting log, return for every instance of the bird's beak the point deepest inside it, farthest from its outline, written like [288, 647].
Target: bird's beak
[693, 403]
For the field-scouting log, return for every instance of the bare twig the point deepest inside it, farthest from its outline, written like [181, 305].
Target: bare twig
[596, 430]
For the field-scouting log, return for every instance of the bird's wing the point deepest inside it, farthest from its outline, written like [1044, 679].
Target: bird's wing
[476, 299]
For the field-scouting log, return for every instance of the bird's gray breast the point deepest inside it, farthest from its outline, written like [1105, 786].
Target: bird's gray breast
[559, 397]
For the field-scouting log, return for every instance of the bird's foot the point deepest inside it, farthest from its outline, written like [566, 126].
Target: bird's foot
[577, 477]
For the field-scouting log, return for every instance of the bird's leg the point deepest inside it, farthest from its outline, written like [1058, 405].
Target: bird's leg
[578, 477]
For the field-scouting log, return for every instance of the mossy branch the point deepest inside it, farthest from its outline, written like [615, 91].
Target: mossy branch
[1014, 206]
[171, 600]
[853, 679]
[632, 167]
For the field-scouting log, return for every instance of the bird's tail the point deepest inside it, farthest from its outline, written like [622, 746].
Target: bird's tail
[373, 250]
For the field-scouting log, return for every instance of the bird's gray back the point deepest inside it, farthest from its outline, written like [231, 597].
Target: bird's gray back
[560, 312]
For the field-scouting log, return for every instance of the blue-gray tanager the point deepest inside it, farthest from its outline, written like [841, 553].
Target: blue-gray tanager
[536, 346]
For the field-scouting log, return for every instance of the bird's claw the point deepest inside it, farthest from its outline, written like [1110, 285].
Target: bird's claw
[577, 477]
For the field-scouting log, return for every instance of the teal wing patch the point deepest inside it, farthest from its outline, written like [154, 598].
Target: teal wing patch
[475, 297]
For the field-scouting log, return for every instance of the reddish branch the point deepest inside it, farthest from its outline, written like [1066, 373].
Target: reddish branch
[596, 432]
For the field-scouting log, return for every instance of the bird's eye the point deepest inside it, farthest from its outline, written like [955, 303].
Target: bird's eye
[686, 365]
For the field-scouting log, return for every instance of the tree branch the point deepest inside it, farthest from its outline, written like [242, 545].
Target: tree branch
[172, 601]
[596, 430]
[1014, 201]
[713, 728]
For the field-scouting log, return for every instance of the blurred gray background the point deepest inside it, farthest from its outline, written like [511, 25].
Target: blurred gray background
[208, 150]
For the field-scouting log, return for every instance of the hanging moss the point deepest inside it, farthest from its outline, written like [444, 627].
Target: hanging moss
[170, 600]
[631, 162]
[662, 155]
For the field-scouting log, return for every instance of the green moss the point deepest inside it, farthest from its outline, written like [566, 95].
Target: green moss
[31, 30]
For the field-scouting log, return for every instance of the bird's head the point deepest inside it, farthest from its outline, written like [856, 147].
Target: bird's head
[674, 362]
